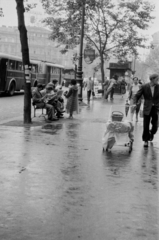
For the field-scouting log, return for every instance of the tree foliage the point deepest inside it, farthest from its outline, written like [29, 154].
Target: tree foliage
[113, 28]
[29, 5]
[1, 12]
[152, 60]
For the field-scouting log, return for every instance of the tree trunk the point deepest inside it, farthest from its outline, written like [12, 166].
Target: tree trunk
[102, 71]
[25, 59]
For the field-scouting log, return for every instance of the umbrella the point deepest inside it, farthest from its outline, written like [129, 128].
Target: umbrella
[127, 105]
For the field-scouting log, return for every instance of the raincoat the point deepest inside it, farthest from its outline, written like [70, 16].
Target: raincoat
[72, 100]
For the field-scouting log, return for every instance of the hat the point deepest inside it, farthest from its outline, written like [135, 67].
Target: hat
[49, 86]
[152, 76]
[39, 85]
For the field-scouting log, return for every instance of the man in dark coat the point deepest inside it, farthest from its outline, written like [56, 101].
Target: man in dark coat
[150, 92]
[39, 101]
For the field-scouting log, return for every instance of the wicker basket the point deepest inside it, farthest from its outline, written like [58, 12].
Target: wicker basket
[117, 116]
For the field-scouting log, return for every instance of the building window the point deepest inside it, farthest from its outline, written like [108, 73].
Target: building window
[12, 49]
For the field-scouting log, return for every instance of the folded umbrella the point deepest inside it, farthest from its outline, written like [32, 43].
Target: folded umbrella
[127, 106]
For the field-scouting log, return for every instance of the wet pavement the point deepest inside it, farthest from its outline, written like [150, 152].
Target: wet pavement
[56, 183]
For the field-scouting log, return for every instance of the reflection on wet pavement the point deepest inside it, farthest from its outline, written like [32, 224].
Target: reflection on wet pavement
[56, 183]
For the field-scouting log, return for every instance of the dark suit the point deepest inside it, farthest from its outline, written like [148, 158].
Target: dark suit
[151, 108]
[38, 101]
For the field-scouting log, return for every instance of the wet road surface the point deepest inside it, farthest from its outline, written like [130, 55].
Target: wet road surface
[11, 107]
[56, 183]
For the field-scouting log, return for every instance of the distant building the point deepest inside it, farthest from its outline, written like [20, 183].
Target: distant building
[155, 38]
[40, 47]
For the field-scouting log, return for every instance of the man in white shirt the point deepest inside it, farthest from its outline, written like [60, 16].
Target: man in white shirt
[89, 85]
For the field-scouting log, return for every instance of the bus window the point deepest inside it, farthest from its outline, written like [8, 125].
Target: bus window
[34, 68]
[12, 64]
[19, 66]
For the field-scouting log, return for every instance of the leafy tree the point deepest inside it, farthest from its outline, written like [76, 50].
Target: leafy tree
[1, 12]
[113, 29]
[152, 60]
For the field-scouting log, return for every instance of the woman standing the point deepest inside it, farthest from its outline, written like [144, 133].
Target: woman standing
[123, 85]
[134, 108]
[105, 85]
[72, 99]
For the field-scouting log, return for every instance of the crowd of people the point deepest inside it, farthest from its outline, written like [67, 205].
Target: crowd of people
[51, 98]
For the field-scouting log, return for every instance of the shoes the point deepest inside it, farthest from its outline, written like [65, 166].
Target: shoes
[60, 116]
[146, 144]
[54, 118]
[151, 136]
[60, 111]
[48, 120]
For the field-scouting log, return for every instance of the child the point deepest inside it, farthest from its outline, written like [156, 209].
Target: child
[72, 99]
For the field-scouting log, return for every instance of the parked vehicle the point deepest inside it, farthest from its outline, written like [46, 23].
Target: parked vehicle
[12, 73]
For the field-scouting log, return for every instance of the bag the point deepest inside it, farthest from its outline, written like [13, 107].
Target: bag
[93, 94]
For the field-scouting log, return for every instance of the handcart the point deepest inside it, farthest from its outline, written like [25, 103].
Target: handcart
[118, 131]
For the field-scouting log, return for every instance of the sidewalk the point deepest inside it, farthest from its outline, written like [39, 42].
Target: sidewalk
[56, 183]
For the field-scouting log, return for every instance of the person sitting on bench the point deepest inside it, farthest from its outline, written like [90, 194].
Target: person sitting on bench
[39, 101]
[52, 99]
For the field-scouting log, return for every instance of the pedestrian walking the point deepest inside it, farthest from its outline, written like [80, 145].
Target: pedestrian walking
[89, 85]
[111, 86]
[123, 85]
[72, 99]
[105, 85]
[134, 107]
[150, 93]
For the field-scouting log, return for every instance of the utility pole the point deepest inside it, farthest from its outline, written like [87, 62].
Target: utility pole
[79, 75]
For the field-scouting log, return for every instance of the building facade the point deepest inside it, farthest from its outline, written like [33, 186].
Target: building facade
[40, 47]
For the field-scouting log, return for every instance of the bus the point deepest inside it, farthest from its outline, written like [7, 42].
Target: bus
[50, 72]
[12, 74]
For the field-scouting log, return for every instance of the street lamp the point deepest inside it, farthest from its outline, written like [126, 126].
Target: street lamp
[79, 75]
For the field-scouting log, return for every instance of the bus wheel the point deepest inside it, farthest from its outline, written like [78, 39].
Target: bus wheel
[11, 89]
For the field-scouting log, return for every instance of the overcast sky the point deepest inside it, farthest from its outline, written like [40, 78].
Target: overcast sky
[10, 17]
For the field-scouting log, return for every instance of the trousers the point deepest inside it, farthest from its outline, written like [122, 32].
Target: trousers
[111, 92]
[153, 117]
[88, 95]
[50, 109]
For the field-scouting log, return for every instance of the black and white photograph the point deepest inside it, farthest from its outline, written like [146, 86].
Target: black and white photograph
[79, 119]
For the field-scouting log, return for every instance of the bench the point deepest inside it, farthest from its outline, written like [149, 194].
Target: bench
[42, 109]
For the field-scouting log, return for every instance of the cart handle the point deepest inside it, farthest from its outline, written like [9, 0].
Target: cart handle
[117, 112]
